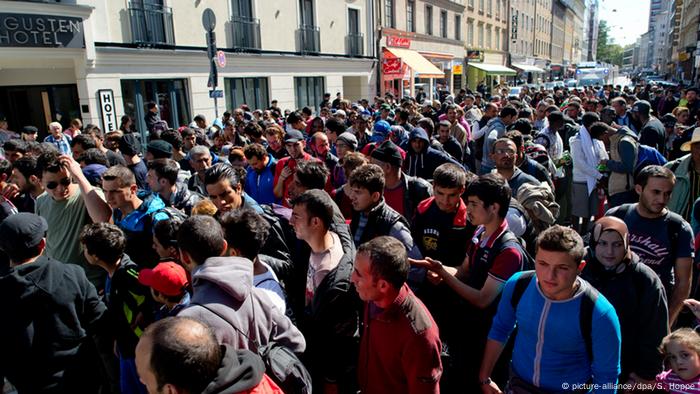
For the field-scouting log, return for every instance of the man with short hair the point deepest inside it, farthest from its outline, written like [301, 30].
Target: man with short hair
[284, 171]
[402, 192]
[81, 143]
[152, 116]
[224, 295]
[661, 238]
[372, 216]
[495, 129]
[321, 151]
[622, 116]
[651, 131]
[504, 155]
[51, 312]
[113, 157]
[14, 149]
[162, 180]
[200, 161]
[58, 138]
[130, 148]
[67, 207]
[169, 348]
[260, 175]
[568, 334]
[400, 346]
[331, 318]
[449, 143]
[134, 213]
[456, 129]
[25, 184]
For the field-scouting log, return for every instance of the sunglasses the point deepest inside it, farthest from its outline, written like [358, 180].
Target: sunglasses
[52, 185]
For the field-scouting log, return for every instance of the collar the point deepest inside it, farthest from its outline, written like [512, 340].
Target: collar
[394, 310]
[492, 239]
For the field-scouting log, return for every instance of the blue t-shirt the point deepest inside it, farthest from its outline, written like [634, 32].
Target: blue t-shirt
[649, 239]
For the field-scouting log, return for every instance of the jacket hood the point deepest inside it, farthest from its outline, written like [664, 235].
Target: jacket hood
[151, 202]
[240, 370]
[418, 132]
[233, 275]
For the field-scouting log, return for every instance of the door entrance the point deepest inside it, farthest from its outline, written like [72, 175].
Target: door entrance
[38, 106]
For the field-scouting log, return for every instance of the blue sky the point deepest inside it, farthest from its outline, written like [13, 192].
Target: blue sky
[628, 19]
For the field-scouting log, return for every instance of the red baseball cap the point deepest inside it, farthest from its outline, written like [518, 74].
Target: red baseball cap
[168, 278]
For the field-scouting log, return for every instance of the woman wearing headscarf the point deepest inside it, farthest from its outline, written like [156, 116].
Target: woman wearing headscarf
[636, 293]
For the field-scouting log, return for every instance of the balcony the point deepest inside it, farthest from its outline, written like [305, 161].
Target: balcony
[309, 39]
[355, 44]
[151, 25]
[246, 33]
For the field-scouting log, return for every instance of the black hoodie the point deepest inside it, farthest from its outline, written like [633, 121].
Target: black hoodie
[240, 370]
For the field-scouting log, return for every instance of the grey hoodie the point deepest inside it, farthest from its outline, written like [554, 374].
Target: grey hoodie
[225, 285]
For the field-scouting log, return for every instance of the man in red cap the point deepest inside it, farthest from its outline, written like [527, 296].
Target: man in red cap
[168, 282]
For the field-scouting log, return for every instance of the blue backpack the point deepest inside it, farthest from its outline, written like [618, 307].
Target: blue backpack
[647, 156]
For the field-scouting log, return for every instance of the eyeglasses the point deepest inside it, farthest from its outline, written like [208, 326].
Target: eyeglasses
[53, 184]
[504, 152]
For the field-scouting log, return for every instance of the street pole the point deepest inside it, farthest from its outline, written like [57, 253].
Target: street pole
[209, 23]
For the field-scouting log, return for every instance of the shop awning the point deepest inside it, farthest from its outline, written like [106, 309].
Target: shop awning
[528, 68]
[493, 69]
[418, 63]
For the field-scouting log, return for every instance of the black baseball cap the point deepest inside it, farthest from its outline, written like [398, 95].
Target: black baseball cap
[293, 136]
[22, 230]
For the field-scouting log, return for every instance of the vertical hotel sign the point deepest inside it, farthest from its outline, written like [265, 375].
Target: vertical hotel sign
[48, 31]
[109, 114]
[514, 28]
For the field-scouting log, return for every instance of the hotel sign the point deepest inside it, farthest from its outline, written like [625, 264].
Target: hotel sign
[29, 30]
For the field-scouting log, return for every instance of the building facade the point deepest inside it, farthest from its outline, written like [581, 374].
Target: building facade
[104, 59]
[689, 42]
[590, 31]
[487, 42]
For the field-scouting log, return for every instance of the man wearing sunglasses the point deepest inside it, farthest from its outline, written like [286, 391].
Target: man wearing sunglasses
[67, 207]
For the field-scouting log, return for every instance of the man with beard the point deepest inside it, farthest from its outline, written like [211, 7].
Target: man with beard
[295, 144]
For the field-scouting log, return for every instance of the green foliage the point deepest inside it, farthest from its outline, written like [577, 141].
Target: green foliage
[608, 51]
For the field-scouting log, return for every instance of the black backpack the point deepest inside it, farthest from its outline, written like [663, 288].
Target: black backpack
[281, 364]
[508, 239]
[590, 296]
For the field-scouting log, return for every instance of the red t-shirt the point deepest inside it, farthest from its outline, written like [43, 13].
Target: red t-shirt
[291, 163]
[394, 198]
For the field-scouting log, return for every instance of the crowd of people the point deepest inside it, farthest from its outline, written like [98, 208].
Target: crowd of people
[538, 243]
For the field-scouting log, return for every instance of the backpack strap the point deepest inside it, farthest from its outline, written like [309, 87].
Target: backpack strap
[588, 300]
[520, 286]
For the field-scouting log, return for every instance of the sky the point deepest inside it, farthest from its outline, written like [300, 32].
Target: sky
[628, 19]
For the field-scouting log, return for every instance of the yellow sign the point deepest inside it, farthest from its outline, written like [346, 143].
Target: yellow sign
[683, 56]
[457, 69]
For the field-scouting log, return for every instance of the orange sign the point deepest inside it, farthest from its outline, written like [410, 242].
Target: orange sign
[457, 69]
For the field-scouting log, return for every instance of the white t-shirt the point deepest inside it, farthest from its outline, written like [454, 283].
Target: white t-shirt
[320, 264]
[268, 281]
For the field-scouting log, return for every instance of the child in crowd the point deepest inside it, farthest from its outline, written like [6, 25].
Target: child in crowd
[168, 283]
[682, 350]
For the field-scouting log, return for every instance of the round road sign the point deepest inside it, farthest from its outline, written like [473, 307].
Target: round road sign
[221, 59]
[208, 19]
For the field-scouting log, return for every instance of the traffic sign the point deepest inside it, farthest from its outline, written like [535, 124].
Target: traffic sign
[208, 19]
[216, 94]
[221, 59]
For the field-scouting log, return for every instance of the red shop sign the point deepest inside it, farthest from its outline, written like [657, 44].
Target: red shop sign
[391, 66]
[399, 42]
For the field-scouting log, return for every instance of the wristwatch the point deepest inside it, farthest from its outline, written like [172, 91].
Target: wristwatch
[485, 382]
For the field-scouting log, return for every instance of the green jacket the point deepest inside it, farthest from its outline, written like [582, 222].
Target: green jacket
[678, 202]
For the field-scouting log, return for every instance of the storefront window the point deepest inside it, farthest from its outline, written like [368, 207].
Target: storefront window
[251, 91]
[170, 95]
[309, 91]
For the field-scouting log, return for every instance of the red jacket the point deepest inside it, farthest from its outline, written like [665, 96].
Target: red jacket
[400, 349]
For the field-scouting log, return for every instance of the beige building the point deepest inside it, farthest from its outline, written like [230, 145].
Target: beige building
[101, 59]
[688, 42]
[543, 31]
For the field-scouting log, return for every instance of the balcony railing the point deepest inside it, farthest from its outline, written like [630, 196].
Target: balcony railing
[355, 44]
[246, 33]
[309, 39]
[151, 24]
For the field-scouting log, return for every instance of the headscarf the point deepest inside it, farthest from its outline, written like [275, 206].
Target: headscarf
[610, 223]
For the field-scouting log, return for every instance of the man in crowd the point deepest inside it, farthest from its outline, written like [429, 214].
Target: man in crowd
[260, 176]
[449, 143]
[661, 238]
[400, 348]
[622, 116]
[130, 147]
[58, 138]
[162, 180]
[321, 150]
[114, 158]
[651, 130]
[421, 158]
[284, 171]
[495, 129]
[200, 161]
[576, 335]
[504, 155]
[25, 184]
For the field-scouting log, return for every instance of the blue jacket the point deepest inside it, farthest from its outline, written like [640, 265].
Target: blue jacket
[259, 185]
[138, 228]
[549, 348]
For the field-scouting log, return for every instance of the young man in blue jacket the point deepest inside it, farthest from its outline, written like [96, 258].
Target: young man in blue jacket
[568, 334]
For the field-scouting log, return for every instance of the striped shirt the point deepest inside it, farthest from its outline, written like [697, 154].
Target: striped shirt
[63, 143]
[675, 385]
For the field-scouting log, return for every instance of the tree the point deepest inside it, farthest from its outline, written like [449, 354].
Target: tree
[608, 51]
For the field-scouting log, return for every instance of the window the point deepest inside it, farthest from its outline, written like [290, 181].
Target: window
[481, 6]
[498, 9]
[471, 3]
[309, 91]
[250, 91]
[458, 27]
[411, 16]
[470, 32]
[497, 43]
[428, 20]
[389, 13]
[443, 24]
[489, 10]
[488, 37]
[481, 35]
[170, 95]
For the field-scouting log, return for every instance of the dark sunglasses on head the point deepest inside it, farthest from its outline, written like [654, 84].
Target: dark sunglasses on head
[52, 185]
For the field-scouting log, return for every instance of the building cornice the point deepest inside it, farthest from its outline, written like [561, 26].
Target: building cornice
[35, 8]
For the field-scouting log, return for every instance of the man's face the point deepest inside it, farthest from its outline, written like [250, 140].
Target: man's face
[443, 133]
[321, 145]
[201, 123]
[56, 131]
[295, 149]
[13, 155]
[273, 142]
[154, 183]
[477, 213]
[468, 103]
[200, 162]
[360, 125]
[118, 196]
[301, 222]
[418, 145]
[77, 149]
[224, 196]
[189, 141]
[451, 115]
[298, 125]
[504, 154]
[691, 96]
[162, 251]
[619, 108]
[295, 187]
[491, 111]
[365, 284]
[556, 273]
[655, 195]
[447, 198]
[257, 164]
[341, 149]
[57, 184]
[362, 200]
[572, 112]
[18, 179]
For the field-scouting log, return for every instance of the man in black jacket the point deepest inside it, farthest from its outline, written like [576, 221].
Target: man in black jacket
[401, 191]
[51, 316]
[331, 318]
[162, 179]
